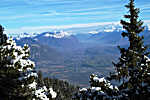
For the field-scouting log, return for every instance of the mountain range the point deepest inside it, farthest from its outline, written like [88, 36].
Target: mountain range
[69, 56]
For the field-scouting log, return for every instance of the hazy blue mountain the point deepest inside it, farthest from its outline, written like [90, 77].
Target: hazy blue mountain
[68, 57]
[57, 40]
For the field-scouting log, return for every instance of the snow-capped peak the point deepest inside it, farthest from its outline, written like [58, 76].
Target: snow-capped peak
[93, 32]
[60, 34]
[148, 27]
[113, 27]
[108, 30]
[48, 34]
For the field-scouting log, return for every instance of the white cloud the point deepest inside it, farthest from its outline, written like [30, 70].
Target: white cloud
[16, 17]
[147, 22]
[96, 8]
[39, 29]
[87, 13]
[40, 2]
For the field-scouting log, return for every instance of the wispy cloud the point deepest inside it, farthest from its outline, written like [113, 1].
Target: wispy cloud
[48, 14]
[147, 21]
[40, 29]
[54, 2]
[95, 8]
[72, 13]
[16, 17]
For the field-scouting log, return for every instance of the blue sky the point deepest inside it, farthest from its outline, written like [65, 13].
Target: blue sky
[32, 15]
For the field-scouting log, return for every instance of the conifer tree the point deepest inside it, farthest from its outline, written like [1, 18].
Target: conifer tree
[133, 68]
[17, 73]
[100, 89]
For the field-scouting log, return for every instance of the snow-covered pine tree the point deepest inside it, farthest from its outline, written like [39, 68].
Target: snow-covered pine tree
[17, 73]
[133, 68]
[100, 89]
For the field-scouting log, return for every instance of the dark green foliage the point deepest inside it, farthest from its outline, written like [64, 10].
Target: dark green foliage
[133, 67]
[100, 89]
[18, 75]
[65, 91]
[10, 85]
[3, 36]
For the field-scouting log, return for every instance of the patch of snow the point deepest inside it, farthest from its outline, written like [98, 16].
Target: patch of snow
[83, 89]
[93, 89]
[148, 27]
[60, 34]
[108, 30]
[32, 85]
[93, 32]
[40, 93]
[53, 94]
[99, 79]
[47, 35]
[111, 87]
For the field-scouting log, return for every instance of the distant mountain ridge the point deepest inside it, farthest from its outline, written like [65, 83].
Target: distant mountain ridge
[101, 33]
[69, 56]
[58, 39]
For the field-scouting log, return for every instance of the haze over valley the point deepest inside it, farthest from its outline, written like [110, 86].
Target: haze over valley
[73, 57]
